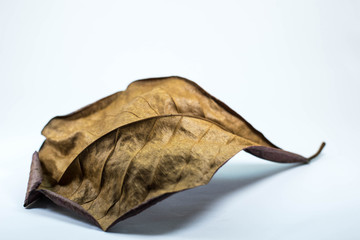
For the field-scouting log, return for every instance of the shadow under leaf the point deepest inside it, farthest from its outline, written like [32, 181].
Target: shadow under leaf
[181, 208]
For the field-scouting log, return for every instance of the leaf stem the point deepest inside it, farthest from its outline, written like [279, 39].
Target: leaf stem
[317, 153]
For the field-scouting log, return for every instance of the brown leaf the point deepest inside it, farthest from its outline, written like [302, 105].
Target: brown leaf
[120, 155]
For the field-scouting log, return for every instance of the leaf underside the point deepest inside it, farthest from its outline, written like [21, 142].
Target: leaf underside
[118, 156]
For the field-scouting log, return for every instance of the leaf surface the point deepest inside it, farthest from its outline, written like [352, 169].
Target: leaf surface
[67, 136]
[127, 151]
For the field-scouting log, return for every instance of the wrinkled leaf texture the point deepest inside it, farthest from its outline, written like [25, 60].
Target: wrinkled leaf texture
[123, 153]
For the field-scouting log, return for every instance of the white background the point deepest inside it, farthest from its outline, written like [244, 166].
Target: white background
[291, 68]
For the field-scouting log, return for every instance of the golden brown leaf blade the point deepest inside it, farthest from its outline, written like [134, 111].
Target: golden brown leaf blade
[158, 137]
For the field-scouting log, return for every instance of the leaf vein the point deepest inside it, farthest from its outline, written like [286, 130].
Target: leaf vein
[128, 166]
[148, 104]
[187, 161]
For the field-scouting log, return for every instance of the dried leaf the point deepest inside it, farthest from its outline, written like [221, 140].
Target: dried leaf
[121, 154]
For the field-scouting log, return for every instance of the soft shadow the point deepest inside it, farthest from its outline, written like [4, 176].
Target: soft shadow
[182, 208]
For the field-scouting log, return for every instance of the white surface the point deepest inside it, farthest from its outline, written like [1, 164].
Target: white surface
[291, 68]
